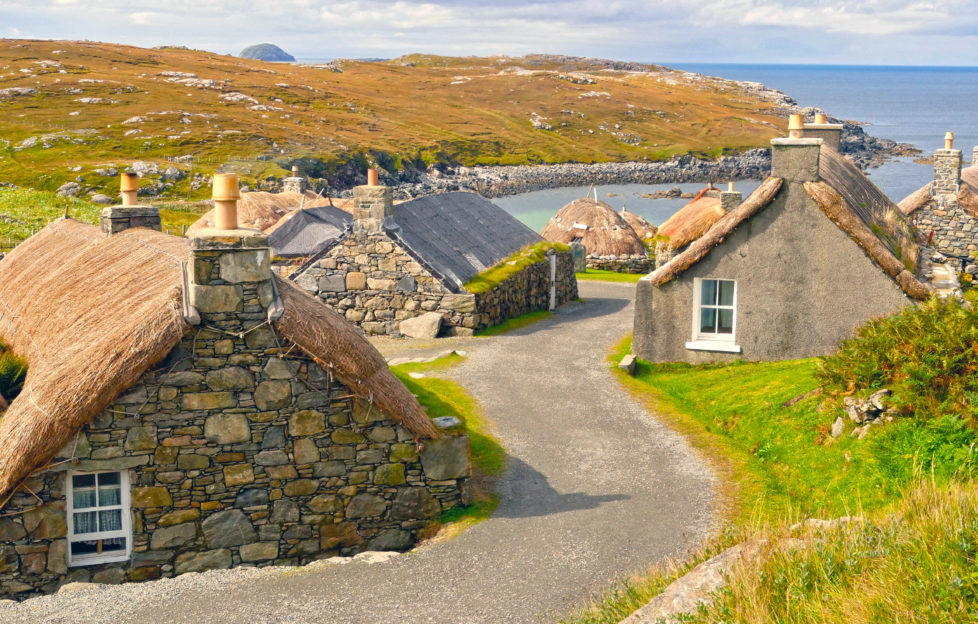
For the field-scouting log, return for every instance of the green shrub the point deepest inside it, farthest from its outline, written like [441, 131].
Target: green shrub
[927, 355]
[13, 370]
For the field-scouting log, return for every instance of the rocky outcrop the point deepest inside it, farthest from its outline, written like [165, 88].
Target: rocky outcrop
[267, 52]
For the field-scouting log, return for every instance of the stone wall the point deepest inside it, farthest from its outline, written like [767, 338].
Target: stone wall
[239, 451]
[955, 231]
[528, 291]
[621, 264]
[375, 283]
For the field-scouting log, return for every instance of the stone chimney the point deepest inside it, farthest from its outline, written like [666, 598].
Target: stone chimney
[373, 206]
[822, 129]
[795, 158]
[730, 198]
[295, 183]
[947, 168]
[228, 280]
[117, 219]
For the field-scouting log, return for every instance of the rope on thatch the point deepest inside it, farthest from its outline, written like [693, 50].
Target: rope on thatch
[834, 207]
[607, 233]
[720, 230]
[691, 221]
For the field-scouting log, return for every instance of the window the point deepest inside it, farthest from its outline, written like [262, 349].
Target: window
[99, 520]
[714, 315]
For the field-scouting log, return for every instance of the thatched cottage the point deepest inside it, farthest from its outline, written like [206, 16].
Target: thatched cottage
[815, 251]
[397, 263]
[692, 221]
[185, 410]
[609, 241]
[945, 211]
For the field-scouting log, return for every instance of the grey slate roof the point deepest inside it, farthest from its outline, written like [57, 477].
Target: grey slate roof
[458, 235]
[308, 231]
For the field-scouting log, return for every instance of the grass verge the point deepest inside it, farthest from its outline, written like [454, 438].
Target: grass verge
[524, 320]
[24, 212]
[599, 275]
[444, 397]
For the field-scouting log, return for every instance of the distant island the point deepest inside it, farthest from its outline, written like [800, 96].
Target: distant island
[267, 52]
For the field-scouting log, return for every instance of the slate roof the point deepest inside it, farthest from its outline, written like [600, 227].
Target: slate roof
[308, 230]
[458, 235]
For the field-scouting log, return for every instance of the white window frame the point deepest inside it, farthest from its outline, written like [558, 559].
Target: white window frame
[124, 532]
[709, 341]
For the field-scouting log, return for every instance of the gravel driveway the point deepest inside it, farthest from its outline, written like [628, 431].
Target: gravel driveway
[596, 489]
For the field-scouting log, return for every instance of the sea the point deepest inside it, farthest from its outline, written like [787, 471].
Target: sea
[909, 104]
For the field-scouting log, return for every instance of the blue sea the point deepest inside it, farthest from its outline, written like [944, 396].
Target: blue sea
[915, 105]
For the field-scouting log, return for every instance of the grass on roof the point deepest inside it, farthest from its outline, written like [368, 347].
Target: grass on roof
[508, 267]
[601, 275]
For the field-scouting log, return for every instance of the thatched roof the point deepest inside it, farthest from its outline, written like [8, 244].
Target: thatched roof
[596, 224]
[967, 194]
[642, 228]
[262, 211]
[90, 314]
[874, 223]
[691, 221]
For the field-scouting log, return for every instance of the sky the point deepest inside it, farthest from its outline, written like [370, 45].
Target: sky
[871, 32]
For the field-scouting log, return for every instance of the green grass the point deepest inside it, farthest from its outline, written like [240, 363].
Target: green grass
[24, 212]
[524, 320]
[444, 397]
[13, 371]
[600, 275]
[503, 270]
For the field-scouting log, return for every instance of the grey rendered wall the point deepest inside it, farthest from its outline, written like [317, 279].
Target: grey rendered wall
[802, 286]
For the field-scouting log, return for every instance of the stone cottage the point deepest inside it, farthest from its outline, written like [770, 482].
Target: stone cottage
[399, 262]
[185, 410]
[609, 241]
[945, 211]
[815, 251]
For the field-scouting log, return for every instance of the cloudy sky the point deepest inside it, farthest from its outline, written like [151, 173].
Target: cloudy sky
[879, 32]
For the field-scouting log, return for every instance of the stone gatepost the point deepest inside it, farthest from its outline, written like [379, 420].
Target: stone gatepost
[579, 254]
[295, 183]
[117, 219]
[947, 168]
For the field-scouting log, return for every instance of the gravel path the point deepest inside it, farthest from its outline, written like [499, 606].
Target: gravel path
[596, 489]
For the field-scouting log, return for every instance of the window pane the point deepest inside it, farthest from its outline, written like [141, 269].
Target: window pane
[85, 523]
[708, 293]
[84, 548]
[108, 478]
[725, 325]
[82, 499]
[83, 481]
[708, 320]
[109, 496]
[115, 544]
[110, 520]
[726, 292]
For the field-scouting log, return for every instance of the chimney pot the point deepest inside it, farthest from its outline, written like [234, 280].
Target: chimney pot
[295, 170]
[730, 187]
[949, 140]
[820, 118]
[373, 177]
[129, 188]
[226, 196]
[796, 126]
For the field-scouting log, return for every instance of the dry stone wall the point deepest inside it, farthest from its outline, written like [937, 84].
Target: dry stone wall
[621, 264]
[528, 291]
[239, 451]
[955, 231]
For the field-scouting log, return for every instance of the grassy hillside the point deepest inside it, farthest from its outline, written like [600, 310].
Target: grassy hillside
[70, 108]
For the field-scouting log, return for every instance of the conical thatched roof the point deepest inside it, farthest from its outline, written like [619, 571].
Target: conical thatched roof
[595, 224]
[90, 314]
[642, 228]
[691, 221]
[262, 211]
[967, 194]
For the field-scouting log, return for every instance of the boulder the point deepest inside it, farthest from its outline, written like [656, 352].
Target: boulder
[425, 326]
